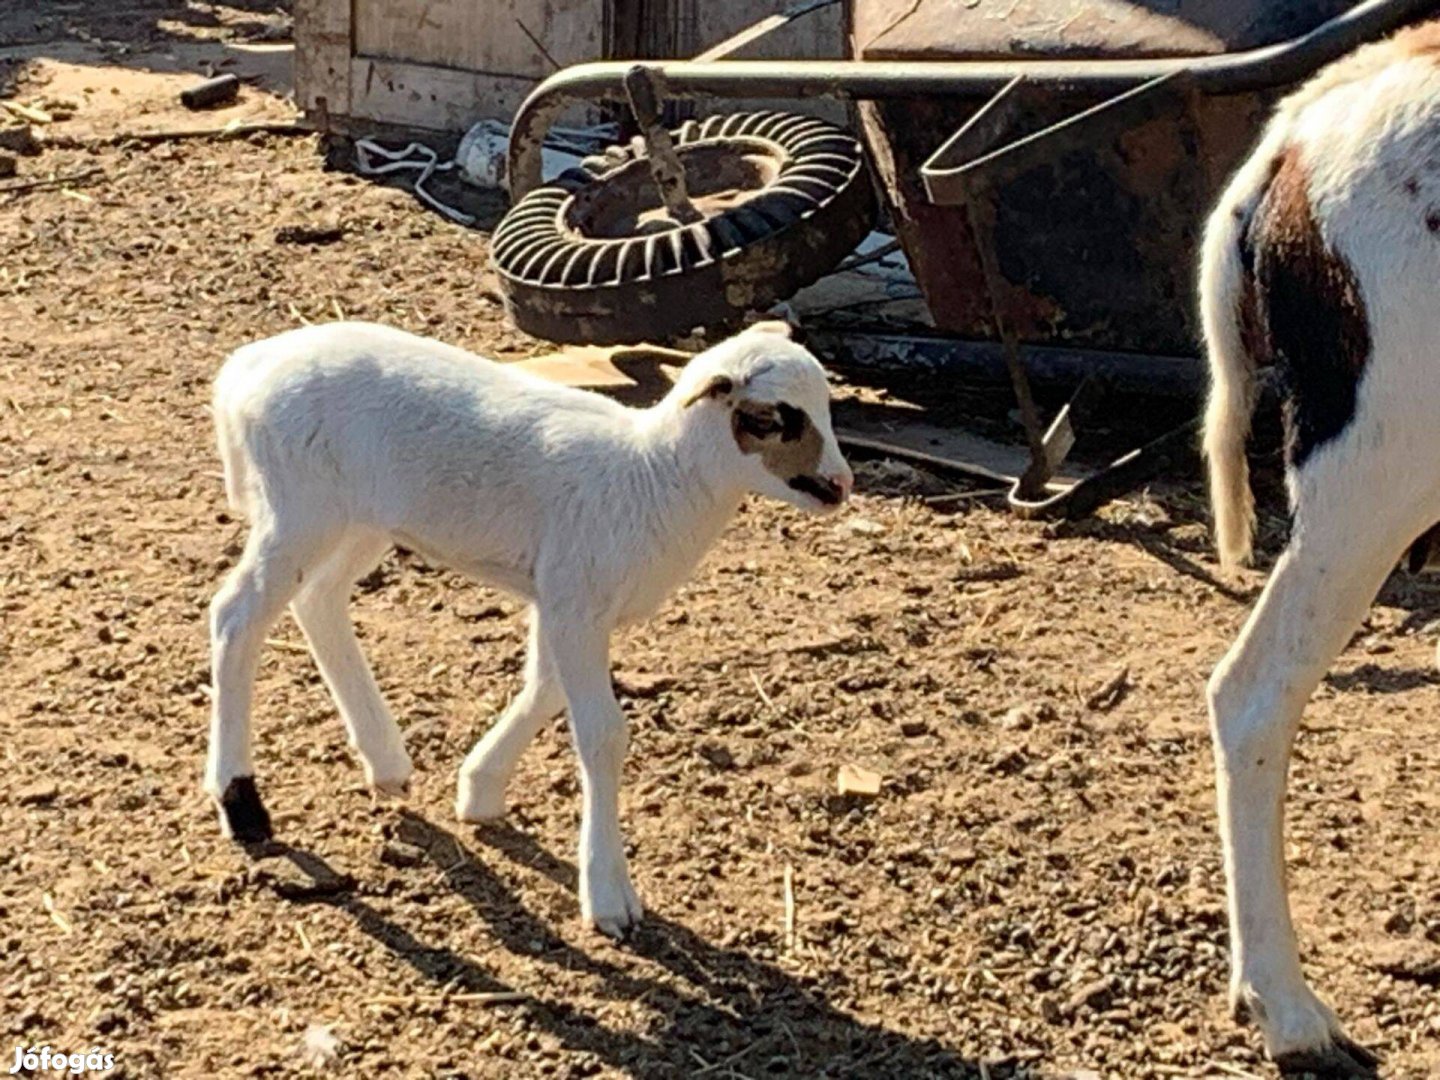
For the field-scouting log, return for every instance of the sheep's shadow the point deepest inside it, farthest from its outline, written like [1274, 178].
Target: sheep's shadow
[719, 1005]
[1378, 680]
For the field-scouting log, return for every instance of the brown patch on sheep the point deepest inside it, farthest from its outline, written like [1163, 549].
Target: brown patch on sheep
[1306, 314]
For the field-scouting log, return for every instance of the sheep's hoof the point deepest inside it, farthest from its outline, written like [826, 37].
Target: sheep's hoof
[480, 799]
[242, 815]
[479, 809]
[617, 928]
[391, 789]
[388, 773]
[1340, 1059]
[617, 915]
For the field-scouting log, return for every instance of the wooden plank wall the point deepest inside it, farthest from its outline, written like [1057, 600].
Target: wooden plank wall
[444, 64]
[481, 35]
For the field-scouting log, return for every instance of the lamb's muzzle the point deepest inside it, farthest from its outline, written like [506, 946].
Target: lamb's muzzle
[823, 489]
[340, 441]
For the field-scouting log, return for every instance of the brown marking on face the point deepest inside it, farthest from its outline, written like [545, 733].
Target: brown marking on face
[786, 439]
[1307, 313]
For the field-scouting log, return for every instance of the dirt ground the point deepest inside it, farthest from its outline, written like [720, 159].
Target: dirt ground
[1035, 892]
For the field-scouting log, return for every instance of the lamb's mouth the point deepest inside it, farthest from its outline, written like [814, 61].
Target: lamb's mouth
[824, 491]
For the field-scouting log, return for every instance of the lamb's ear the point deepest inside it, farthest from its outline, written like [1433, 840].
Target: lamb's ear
[772, 326]
[717, 386]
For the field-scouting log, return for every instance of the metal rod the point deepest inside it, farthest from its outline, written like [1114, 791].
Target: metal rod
[864, 355]
[975, 155]
[645, 90]
[1032, 481]
[1255, 69]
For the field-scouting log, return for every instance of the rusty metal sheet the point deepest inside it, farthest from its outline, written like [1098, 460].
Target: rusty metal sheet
[1095, 238]
[1116, 29]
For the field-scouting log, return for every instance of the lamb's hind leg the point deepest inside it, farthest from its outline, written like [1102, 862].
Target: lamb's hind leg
[273, 564]
[490, 765]
[322, 610]
[1341, 552]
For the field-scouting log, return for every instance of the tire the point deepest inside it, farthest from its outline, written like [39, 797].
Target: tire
[592, 258]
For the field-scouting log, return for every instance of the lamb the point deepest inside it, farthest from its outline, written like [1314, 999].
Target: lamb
[1320, 259]
[343, 440]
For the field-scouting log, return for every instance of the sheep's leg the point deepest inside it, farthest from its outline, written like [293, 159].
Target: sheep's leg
[1319, 592]
[488, 767]
[607, 899]
[322, 610]
[247, 605]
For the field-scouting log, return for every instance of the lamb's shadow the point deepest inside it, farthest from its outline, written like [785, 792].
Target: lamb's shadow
[718, 1004]
[1378, 680]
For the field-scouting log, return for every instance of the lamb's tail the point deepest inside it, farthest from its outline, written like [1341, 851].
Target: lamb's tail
[1232, 367]
[232, 451]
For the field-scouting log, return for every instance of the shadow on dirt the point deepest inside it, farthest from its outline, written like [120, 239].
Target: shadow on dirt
[130, 29]
[723, 1010]
[143, 36]
[1377, 680]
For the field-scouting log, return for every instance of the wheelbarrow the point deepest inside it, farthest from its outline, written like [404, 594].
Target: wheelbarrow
[968, 176]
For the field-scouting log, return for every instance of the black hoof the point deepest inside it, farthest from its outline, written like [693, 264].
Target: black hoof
[1341, 1060]
[245, 815]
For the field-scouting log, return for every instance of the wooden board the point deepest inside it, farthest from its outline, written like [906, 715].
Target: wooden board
[322, 58]
[421, 96]
[481, 35]
[444, 64]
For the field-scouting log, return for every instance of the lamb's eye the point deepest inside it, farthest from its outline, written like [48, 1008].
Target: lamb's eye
[761, 424]
[792, 422]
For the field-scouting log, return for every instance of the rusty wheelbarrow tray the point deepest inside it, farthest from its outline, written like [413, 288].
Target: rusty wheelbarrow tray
[986, 151]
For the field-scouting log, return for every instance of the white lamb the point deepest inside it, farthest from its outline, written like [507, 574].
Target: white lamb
[342, 440]
[1321, 259]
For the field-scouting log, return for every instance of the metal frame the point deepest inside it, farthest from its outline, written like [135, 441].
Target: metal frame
[858, 80]
[982, 155]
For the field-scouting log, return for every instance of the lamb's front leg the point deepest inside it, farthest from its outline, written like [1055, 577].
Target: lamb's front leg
[490, 765]
[582, 661]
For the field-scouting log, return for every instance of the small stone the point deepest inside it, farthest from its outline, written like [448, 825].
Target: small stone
[400, 855]
[19, 140]
[41, 794]
[1410, 960]
[1009, 762]
[110, 1020]
[1094, 995]
[639, 685]
[1398, 923]
[859, 526]
[1024, 717]
[718, 756]
[857, 780]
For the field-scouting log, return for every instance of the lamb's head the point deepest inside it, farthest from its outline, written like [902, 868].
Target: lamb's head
[776, 402]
